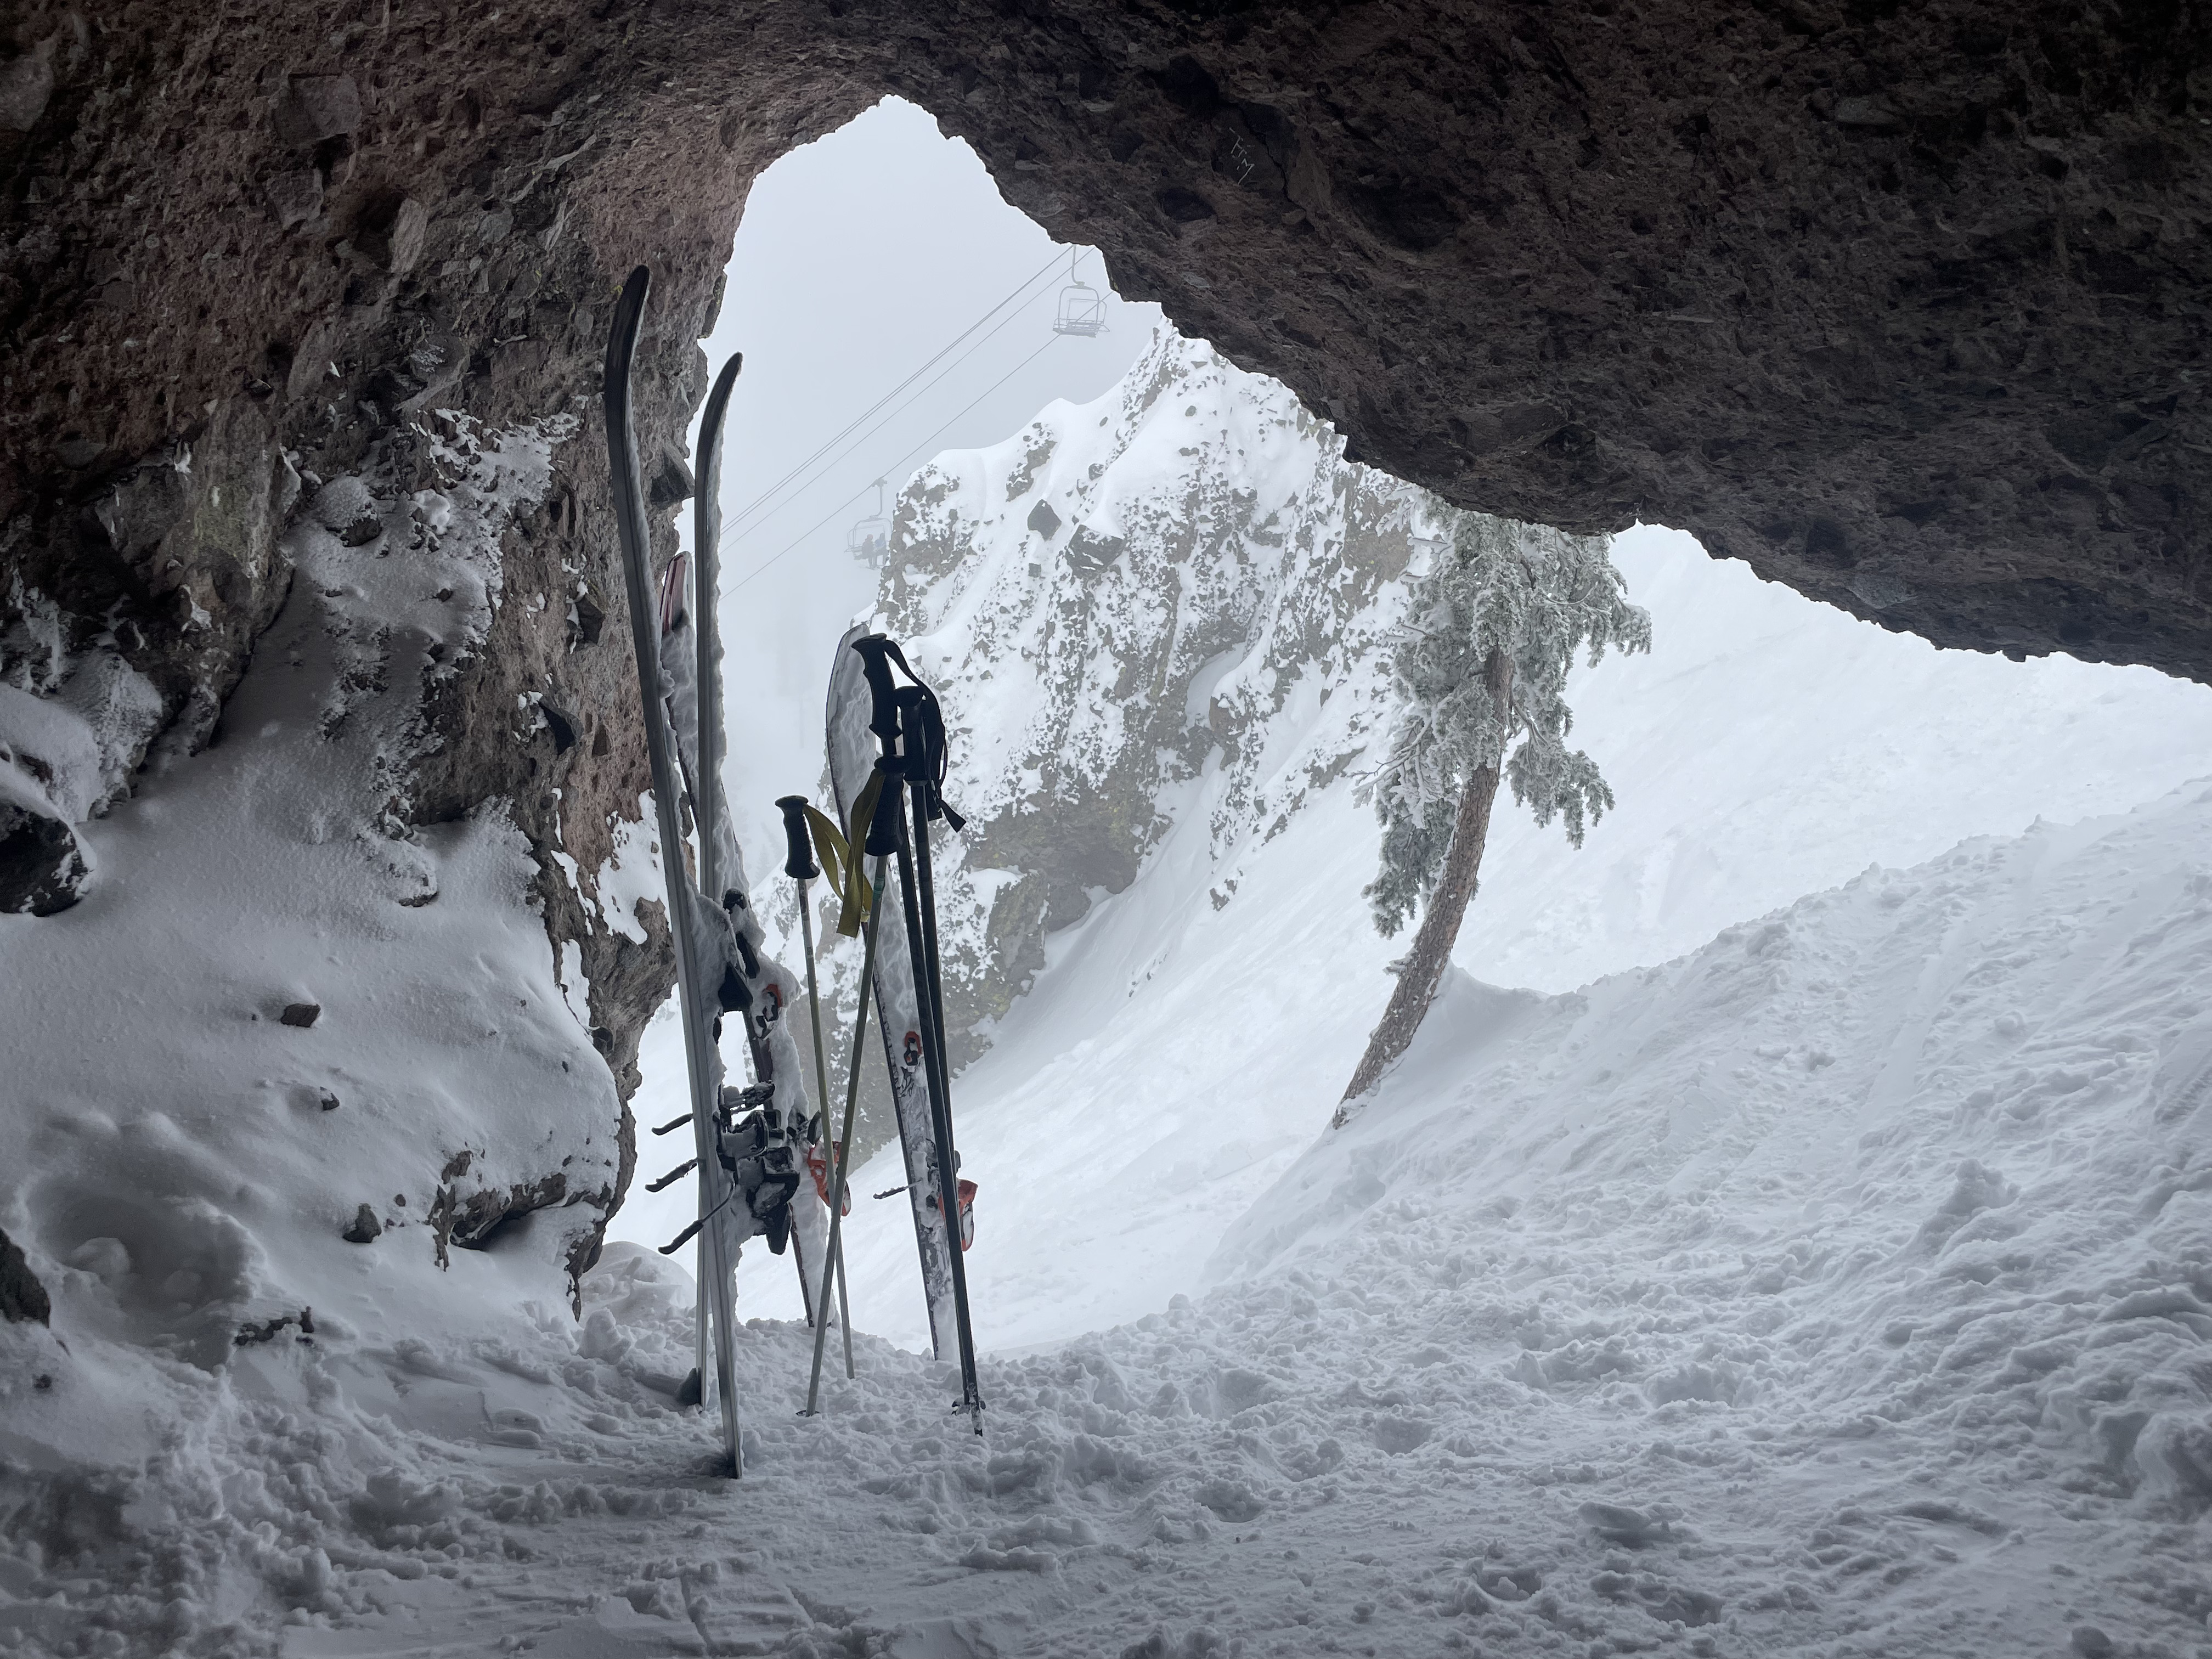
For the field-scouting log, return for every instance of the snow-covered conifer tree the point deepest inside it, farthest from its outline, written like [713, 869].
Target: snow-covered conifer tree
[1481, 660]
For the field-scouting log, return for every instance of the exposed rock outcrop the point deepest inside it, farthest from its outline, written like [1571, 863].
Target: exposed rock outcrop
[1158, 612]
[22, 1296]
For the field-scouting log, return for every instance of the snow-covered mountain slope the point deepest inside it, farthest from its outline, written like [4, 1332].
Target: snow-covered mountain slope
[1175, 1057]
[1842, 1288]
[1156, 622]
[1160, 606]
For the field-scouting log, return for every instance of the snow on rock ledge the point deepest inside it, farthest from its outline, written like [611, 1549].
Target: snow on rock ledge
[290, 1016]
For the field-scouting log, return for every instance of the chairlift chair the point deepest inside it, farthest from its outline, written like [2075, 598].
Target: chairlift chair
[870, 540]
[1082, 308]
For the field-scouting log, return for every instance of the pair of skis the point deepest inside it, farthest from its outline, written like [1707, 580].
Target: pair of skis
[749, 1143]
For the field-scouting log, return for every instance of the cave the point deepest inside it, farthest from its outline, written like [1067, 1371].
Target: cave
[1897, 305]
[1900, 306]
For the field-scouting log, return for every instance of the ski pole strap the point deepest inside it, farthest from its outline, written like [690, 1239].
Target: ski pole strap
[854, 894]
[857, 897]
[829, 845]
[796, 863]
[922, 734]
[922, 740]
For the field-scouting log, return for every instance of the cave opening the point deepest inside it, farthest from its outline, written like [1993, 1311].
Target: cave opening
[1758, 1234]
[808, 584]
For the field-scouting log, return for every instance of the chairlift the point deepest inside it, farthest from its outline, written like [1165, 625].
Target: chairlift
[870, 540]
[1082, 307]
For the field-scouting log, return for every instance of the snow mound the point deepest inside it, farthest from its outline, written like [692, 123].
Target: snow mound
[1921, 1168]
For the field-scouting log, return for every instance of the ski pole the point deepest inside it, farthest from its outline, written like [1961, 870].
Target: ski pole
[800, 865]
[883, 837]
[895, 721]
[919, 744]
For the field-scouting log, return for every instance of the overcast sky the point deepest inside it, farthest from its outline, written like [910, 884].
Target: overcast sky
[859, 259]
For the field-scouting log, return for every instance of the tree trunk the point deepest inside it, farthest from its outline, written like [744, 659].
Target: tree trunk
[1423, 969]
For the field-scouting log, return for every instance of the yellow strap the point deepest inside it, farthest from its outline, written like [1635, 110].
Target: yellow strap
[853, 887]
[829, 850]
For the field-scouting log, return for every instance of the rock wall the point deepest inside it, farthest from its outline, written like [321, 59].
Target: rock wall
[1136, 611]
[1903, 305]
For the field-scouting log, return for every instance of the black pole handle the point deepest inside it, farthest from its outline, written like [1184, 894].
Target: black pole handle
[876, 651]
[913, 733]
[922, 740]
[799, 852]
[920, 745]
[884, 828]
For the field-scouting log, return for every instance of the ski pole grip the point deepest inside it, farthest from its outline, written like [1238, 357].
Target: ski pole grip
[798, 857]
[884, 827]
[914, 736]
[875, 662]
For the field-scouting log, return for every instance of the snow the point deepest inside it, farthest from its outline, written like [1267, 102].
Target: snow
[1841, 1288]
[1185, 1054]
[1757, 1254]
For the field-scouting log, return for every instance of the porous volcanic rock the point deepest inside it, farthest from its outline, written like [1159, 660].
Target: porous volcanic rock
[1905, 305]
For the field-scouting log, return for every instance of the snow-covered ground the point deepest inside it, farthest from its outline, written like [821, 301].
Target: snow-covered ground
[1826, 1275]
[1843, 1288]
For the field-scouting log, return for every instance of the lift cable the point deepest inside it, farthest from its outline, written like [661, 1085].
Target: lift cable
[793, 544]
[835, 461]
[828, 444]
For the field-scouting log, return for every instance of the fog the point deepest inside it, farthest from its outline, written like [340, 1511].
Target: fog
[860, 259]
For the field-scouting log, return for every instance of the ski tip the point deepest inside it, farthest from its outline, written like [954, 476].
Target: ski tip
[622, 338]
